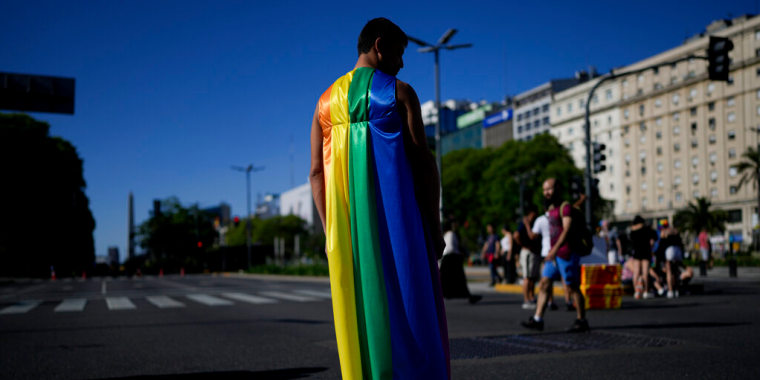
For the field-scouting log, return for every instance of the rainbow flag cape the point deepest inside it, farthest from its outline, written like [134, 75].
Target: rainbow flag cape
[389, 315]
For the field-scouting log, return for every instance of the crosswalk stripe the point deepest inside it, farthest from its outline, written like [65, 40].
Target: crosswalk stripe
[315, 293]
[71, 304]
[21, 307]
[119, 303]
[248, 298]
[209, 300]
[287, 296]
[164, 302]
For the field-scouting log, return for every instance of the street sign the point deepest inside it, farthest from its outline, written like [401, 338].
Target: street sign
[497, 118]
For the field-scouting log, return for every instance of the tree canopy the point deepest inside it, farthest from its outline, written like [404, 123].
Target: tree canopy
[46, 217]
[698, 215]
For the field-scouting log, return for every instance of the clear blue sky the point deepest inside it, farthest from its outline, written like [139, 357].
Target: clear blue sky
[169, 94]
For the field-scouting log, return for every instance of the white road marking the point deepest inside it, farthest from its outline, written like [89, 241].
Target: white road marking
[103, 288]
[21, 307]
[164, 302]
[248, 298]
[209, 300]
[119, 303]
[315, 293]
[288, 296]
[71, 304]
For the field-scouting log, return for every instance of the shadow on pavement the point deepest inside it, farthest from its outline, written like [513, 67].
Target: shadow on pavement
[656, 305]
[276, 374]
[682, 325]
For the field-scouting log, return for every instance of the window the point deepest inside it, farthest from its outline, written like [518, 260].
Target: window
[527, 127]
[625, 82]
[627, 142]
[714, 192]
[732, 172]
[660, 199]
[676, 147]
[711, 123]
[734, 216]
[673, 80]
[659, 151]
[676, 116]
[546, 120]
[678, 196]
[641, 110]
[732, 153]
[757, 72]
[711, 106]
[676, 130]
[559, 111]
[731, 134]
[710, 88]
[712, 139]
[694, 143]
[609, 120]
[660, 183]
[643, 186]
[677, 180]
[643, 170]
[758, 94]
[694, 127]
[693, 93]
[658, 135]
[570, 131]
[643, 127]
[758, 110]
[757, 52]
[545, 108]
[608, 94]
[626, 113]
[658, 103]
[695, 193]
[595, 99]
[659, 167]
[695, 178]
[644, 202]
[519, 117]
[676, 98]
[640, 78]
[581, 103]
[693, 111]
[658, 121]
[713, 157]
[677, 164]
[733, 190]
[657, 86]
[713, 176]
[569, 107]
[643, 139]
[627, 173]
[519, 129]
[535, 111]
[536, 123]
[730, 81]
[694, 161]
[757, 34]
[730, 102]
[628, 204]
[643, 155]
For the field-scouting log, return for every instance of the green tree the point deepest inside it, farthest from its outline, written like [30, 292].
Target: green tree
[749, 168]
[46, 218]
[178, 236]
[698, 215]
[263, 232]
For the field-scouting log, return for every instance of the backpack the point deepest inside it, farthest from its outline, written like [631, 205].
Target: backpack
[580, 238]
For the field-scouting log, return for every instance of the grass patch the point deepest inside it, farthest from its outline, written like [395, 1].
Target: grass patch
[292, 270]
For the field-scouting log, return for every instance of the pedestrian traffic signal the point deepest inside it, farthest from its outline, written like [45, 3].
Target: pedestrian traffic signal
[236, 220]
[717, 56]
[599, 157]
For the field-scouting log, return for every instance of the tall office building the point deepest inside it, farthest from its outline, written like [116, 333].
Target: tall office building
[531, 108]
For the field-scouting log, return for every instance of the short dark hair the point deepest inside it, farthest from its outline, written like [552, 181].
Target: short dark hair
[383, 28]
[530, 207]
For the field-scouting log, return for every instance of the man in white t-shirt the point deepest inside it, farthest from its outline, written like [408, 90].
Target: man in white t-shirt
[508, 261]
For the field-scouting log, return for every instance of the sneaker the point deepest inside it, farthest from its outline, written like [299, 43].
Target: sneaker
[580, 325]
[475, 299]
[661, 292]
[637, 295]
[569, 307]
[528, 306]
[647, 295]
[675, 293]
[533, 324]
[671, 294]
[553, 306]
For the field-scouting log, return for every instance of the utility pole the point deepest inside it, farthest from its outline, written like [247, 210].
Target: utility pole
[248, 171]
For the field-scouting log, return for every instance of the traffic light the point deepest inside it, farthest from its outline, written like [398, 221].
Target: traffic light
[717, 56]
[599, 158]
[236, 220]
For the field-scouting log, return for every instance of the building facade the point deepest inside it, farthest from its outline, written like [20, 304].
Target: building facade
[532, 108]
[497, 128]
[298, 201]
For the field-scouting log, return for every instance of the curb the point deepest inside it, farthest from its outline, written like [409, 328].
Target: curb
[517, 289]
[280, 277]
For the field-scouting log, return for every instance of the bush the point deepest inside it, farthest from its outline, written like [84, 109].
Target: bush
[293, 270]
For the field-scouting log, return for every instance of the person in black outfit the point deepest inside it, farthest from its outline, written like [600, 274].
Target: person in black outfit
[453, 279]
[642, 240]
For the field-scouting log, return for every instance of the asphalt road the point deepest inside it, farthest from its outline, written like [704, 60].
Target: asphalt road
[262, 327]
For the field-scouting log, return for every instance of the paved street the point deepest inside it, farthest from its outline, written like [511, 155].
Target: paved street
[205, 326]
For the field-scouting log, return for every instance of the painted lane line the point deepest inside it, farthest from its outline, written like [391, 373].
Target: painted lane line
[209, 300]
[248, 298]
[103, 288]
[21, 307]
[164, 302]
[315, 293]
[119, 303]
[288, 296]
[71, 304]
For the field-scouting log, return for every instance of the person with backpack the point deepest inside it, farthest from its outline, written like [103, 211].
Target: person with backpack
[569, 241]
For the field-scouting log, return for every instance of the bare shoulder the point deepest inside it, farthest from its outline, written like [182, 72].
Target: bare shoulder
[405, 93]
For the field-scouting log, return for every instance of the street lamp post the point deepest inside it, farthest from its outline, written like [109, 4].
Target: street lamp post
[248, 171]
[428, 48]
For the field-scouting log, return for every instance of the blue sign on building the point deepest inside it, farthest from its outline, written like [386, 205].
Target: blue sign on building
[497, 118]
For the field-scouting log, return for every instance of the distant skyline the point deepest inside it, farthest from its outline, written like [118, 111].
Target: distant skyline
[170, 94]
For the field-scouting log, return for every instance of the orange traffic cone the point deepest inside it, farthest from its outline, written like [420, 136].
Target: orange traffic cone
[161, 272]
[182, 272]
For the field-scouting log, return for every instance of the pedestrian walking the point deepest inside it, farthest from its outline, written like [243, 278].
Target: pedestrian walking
[530, 256]
[376, 188]
[453, 278]
[490, 254]
[642, 240]
[508, 256]
[673, 258]
[560, 260]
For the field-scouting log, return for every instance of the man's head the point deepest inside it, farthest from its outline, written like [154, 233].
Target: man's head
[551, 190]
[531, 211]
[489, 229]
[384, 42]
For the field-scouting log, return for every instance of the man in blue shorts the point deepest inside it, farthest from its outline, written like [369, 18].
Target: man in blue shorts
[560, 261]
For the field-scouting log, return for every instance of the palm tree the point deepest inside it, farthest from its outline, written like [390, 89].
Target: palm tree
[749, 168]
[697, 215]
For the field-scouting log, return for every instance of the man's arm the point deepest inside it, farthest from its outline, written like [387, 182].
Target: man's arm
[566, 222]
[424, 168]
[317, 172]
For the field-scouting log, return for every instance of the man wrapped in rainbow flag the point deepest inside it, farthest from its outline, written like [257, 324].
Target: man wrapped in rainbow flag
[375, 184]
